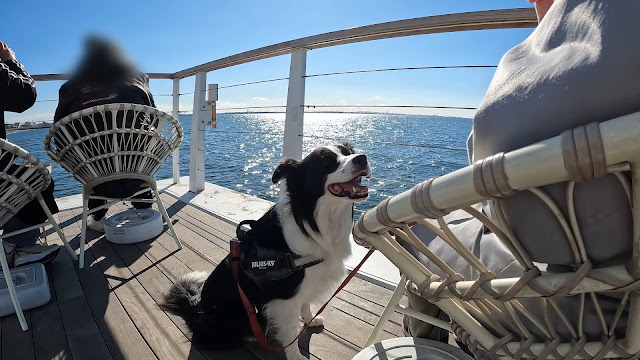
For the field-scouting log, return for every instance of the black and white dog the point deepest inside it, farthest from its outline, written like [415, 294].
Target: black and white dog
[313, 221]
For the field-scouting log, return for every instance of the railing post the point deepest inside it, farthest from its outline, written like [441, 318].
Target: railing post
[294, 119]
[176, 114]
[196, 155]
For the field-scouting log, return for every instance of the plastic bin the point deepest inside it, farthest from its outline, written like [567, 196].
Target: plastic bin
[32, 288]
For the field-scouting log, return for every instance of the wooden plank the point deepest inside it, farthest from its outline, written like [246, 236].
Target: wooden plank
[370, 289]
[17, 344]
[85, 339]
[157, 285]
[173, 268]
[325, 344]
[119, 333]
[49, 338]
[67, 285]
[83, 335]
[162, 335]
[366, 316]
[369, 306]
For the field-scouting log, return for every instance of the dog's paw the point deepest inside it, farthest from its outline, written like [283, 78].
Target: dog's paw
[318, 321]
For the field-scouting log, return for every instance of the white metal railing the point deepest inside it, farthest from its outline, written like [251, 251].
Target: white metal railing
[294, 119]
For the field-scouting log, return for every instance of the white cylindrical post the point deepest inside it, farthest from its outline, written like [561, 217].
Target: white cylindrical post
[294, 119]
[176, 114]
[196, 156]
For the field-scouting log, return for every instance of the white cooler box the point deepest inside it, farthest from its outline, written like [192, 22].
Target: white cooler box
[32, 288]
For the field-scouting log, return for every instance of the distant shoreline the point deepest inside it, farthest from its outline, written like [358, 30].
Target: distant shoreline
[26, 128]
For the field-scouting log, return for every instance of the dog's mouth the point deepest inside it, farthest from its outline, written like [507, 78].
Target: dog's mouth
[353, 189]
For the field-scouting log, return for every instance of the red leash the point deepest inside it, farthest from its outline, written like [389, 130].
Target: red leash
[251, 309]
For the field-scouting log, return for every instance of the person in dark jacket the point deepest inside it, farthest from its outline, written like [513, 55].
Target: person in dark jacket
[105, 76]
[17, 94]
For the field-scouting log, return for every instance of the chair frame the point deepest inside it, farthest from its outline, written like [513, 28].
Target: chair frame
[117, 158]
[31, 183]
[610, 147]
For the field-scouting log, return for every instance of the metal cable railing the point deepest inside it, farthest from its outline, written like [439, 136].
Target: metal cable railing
[404, 68]
[309, 106]
[348, 72]
[390, 143]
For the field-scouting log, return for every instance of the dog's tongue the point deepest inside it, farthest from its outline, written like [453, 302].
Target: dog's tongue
[352, 189]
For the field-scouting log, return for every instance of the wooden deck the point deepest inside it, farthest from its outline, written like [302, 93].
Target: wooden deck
[109, 310]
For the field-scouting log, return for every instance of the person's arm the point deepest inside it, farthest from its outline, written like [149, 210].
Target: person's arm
[17, 88]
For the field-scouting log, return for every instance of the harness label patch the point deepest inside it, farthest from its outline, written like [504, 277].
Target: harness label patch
[262, 264]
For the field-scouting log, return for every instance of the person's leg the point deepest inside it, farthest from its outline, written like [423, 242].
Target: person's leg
[112, 189]
[95, 220]
[98, 214]
[143, 205]
[417, 328]
[22, 249]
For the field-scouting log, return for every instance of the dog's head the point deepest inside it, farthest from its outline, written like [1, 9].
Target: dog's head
[333, 173]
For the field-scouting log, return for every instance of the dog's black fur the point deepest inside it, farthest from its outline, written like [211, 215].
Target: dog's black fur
[215, 314]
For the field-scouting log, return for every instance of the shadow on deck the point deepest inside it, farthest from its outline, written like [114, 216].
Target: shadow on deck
[109, 310]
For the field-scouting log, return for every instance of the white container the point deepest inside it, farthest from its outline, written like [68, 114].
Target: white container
[133, 226]
[32, 288]
[411, 348]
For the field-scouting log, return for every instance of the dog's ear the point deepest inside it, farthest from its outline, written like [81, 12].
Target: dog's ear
[284, 168]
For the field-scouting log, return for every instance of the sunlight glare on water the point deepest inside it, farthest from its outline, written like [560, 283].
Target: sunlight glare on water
[244, 149]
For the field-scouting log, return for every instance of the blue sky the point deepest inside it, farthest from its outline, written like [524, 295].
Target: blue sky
[167, 36]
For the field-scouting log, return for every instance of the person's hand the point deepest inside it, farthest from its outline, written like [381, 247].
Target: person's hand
[542, 6]
[6, 53]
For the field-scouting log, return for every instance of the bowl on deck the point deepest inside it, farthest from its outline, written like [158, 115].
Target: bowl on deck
[411, 348]
[133, 226]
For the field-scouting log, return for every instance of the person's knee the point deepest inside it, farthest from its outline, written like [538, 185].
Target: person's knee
[25, 239]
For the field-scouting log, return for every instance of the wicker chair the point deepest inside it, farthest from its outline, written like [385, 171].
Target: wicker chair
[494, 317]
[22, 179]
[114, 142]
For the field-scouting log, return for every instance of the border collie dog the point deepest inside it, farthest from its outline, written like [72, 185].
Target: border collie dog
[312, 221]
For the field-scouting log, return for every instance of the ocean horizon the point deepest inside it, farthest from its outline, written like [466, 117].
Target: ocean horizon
[244, 149]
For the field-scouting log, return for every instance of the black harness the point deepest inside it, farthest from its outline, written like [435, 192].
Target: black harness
[261, 263]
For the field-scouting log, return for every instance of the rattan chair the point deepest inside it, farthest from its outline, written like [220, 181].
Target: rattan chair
[22, 179]
[521, 317]
[114, 142]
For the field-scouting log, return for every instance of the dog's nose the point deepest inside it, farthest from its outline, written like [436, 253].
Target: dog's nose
[360, 160]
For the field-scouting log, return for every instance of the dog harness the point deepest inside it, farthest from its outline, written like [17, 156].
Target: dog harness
[264, 264]
[247, 257]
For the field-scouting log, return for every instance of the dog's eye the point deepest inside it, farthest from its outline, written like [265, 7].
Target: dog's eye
[344, 150]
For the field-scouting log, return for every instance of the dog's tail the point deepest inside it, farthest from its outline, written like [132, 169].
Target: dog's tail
[184, 297]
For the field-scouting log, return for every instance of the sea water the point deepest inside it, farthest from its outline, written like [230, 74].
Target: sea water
[244, 149]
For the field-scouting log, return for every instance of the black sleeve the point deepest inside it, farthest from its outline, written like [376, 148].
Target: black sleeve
[17, 88]
[61, 109]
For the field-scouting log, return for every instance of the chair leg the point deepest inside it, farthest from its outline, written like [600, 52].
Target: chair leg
[12, 289]
[163, 211]
[44, 237]
[386, 314]
[54, 223]
[85, 209]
